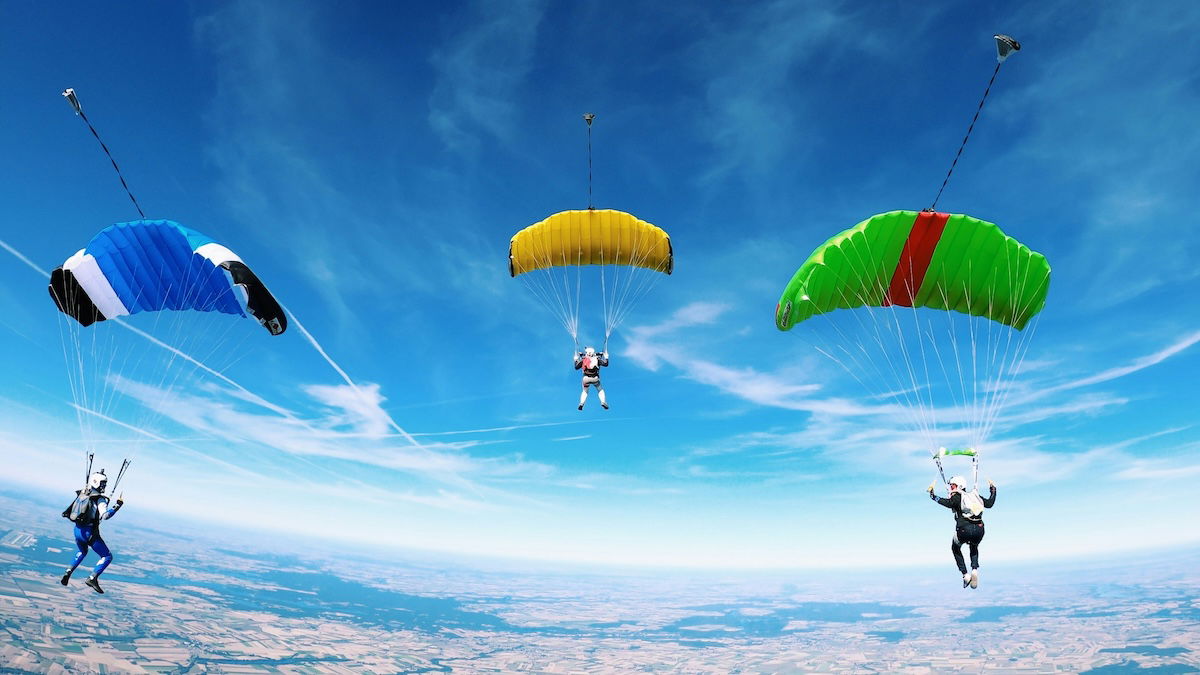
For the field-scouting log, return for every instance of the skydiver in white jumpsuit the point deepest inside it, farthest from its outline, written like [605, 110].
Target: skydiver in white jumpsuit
[590, 363]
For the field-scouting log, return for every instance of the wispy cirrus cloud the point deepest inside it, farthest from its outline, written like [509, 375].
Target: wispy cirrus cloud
[1122, 172]
[480, 69]
[751, 62]
[651, 346]
[841, 431]
[337, 435]
[1158, 470]
[1140, 363]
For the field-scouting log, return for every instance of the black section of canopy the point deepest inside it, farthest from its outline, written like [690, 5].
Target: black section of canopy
[71, 299]
[259, 300]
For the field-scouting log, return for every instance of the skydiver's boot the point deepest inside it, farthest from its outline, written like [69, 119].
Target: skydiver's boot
[966, 579]
[94, 583]
[582, 398]
[975, 578]
[66, 577]
[603, 403]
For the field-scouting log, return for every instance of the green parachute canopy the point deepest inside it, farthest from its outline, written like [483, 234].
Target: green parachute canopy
[932, 313]
[920, 259]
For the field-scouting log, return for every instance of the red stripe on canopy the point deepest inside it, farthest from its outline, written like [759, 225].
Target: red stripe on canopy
[914, 259]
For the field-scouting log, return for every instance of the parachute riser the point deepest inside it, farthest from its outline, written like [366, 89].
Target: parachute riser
[120, 474]
[938, 460]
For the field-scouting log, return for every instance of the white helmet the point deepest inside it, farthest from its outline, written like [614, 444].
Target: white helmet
[959, 482]
[589, 351]
[98, 481]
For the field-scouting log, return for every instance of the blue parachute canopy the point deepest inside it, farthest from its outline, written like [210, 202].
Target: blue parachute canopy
[156, 265]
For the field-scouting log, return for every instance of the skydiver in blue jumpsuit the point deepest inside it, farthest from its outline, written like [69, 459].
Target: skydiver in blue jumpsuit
[88, 509]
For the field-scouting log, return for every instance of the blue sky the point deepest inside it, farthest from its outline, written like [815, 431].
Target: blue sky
[371, 161]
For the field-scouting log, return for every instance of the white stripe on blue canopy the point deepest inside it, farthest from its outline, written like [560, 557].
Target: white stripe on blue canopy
[89, 277]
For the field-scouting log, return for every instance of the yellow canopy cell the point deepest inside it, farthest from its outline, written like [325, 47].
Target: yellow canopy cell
[590, 237]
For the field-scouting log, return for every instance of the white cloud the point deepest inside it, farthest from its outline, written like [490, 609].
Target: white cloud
[654, 345]
[361, 407]
[844, 431]
[215, 414]
[1158, 470]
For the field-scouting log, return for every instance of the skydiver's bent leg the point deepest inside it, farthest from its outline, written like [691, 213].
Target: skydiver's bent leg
[600, 393]
[106, 557]
[83, 535]
[588, 381]
[956, 549]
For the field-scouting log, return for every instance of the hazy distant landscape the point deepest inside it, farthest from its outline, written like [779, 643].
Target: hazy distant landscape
[193, 603]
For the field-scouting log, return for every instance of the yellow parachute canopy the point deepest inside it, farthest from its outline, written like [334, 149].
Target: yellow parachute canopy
[590, 237]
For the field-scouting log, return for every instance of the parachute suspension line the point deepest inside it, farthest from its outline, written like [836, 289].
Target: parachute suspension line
[972, 353]
[552, 288]
[604, 300]
[1013, 364]
[999, 351]
[637, 283]
[959, 398]
[995, 349]
[873, 326]
[578, 296]
[921, 334]
[861, 298]
[921, 421]
[74, 101]
[1014, 367]
[1005, 46]
[920, 388]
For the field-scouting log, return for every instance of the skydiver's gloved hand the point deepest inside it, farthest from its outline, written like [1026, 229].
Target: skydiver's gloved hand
[930, 488]
[991, 484]
[121, 499]
[604, 355]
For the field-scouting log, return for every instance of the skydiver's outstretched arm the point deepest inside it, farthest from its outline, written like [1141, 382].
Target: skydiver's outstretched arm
[113, 511]
[952, 502]
[991, 498]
